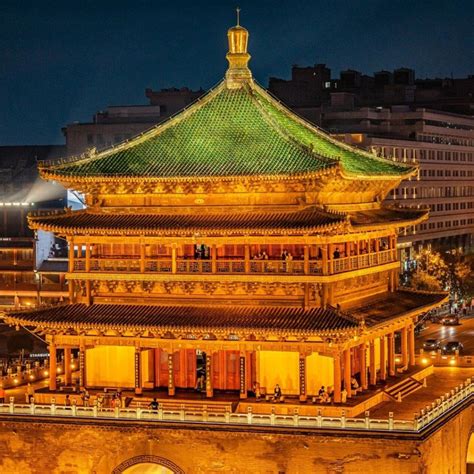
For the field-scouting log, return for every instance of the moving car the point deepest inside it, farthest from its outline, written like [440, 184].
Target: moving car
[431, 345]
[452, 346]
[450, 321]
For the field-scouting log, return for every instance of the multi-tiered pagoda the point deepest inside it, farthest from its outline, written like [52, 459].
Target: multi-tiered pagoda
[234, 239]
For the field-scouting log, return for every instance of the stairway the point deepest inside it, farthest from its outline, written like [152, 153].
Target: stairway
[403, 388]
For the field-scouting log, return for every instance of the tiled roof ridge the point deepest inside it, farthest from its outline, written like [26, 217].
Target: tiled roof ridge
[92, 154]
[321, 133]
[330, 161]
[295, 320]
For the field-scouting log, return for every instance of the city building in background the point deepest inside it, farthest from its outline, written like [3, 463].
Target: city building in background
[312, 86]
[122, 122]
[231, 246]
[32, 265]
[407, 120]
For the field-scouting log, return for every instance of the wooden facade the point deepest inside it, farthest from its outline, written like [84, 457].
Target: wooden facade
[287, 274]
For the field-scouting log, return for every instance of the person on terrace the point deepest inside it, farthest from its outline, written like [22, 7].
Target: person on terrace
[277, 393]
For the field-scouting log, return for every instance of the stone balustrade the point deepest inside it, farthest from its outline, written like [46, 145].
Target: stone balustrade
[423, 419]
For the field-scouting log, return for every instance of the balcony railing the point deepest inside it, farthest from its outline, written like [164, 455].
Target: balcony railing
[356, 262]
[236, 266]
[440, 407]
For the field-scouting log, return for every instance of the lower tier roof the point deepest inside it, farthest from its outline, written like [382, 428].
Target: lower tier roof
[223, 319]
[309, 220]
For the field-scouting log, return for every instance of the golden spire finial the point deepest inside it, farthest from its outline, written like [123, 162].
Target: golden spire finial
[238, 56]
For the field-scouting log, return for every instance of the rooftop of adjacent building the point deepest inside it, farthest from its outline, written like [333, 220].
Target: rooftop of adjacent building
[311, 86]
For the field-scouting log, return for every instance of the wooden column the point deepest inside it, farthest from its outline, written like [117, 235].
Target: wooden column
[404, 335]
[243, 375]
[71, 269]
[88, 292]
[373, 368]
[347, 249]
[411, 346]
[363, 366]
[173, 259]
[88, 258]
[391, 281]
[302, 377]
[67, 366]
[383, 359]
[142, 257]
[52, 367]
[247, 258]
[324, 253]
[330, 259]
[347, 371]
[82, 366]
[391, 354]
[209, 388]
[171, 387]
[306, 259]
[214, 259]
[337, 378]
[138, 371]
[325, 295]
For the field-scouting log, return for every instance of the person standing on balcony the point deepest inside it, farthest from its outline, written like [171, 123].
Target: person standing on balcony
[336, 253]
[289, 262]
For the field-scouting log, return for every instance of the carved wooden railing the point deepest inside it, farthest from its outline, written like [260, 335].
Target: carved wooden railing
[236, 266]
[356, 262]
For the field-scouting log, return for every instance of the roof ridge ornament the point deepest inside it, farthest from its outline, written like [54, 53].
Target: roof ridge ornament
[238, 72]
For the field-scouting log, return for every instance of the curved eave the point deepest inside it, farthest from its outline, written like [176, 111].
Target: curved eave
[242, 332]
[397, 224]
[344, 146]
[36, 224]
[45, 173]
[413, 171]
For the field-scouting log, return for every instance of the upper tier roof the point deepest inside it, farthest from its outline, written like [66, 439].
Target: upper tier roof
[235, 130]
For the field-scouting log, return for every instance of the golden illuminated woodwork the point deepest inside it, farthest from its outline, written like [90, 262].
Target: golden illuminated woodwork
[198, 239]
[391, 354]
[67, 366]
[363, 365]
[383, 358]
[52, 366]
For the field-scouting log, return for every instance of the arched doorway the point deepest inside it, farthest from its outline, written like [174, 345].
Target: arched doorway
[470, 455]
[147, 468]
[147, 464]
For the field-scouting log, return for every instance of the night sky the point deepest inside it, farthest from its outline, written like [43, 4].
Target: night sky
[62, 61]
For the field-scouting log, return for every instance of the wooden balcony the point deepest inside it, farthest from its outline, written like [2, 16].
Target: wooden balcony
[234, 266]
[356, 262]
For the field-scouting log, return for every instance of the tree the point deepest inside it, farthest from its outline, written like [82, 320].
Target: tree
[433, 264]
[424, 281]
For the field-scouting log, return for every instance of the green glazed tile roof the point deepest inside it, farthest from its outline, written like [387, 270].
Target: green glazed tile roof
[229, 132]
